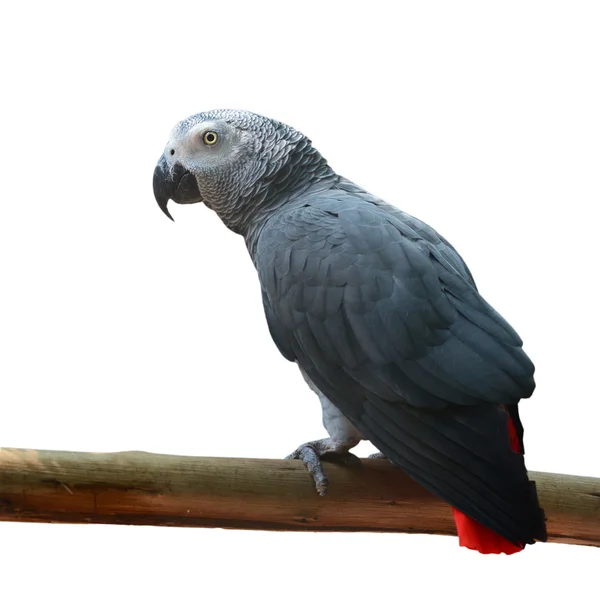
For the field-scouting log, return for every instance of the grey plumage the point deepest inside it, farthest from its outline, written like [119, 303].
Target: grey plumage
[378, 310]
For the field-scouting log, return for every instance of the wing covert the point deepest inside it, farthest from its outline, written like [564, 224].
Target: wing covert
[354, 284]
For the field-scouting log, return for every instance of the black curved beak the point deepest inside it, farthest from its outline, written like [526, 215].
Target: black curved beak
[176, 184]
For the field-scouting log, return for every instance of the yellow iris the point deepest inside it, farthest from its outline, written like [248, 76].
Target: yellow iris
[210, 138]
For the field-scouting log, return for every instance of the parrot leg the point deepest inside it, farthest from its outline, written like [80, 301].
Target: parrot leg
[336, 448]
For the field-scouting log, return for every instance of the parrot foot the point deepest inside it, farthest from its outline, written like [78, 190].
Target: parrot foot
[377, 455]
[311, 454]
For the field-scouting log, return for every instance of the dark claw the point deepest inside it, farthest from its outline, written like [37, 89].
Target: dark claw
[342, 458]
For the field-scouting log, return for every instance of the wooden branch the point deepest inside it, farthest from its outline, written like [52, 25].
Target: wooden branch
[138, 488]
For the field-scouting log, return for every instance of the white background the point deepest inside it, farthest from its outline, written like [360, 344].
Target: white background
[120, 330]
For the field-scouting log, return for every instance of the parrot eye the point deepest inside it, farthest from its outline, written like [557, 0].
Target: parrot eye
[210, 138]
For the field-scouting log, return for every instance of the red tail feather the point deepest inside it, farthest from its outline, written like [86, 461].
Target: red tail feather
[475, 536]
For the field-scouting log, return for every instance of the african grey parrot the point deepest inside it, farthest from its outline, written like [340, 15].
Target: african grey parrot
[380, 313]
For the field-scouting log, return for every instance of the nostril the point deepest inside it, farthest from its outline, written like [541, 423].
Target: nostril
[172, 152]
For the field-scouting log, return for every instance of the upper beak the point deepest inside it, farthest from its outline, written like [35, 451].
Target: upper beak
[176, 184]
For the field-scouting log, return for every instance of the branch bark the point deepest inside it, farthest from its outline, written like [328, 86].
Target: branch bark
[139, 488]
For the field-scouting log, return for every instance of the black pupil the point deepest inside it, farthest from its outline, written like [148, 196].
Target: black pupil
[210, 137]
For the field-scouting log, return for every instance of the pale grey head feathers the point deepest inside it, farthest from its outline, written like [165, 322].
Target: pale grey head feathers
[236, 162]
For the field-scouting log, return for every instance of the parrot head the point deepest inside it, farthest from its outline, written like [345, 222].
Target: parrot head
[219, 158]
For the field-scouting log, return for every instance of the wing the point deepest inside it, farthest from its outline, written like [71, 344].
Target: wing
[393, 331]
[424, 231]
